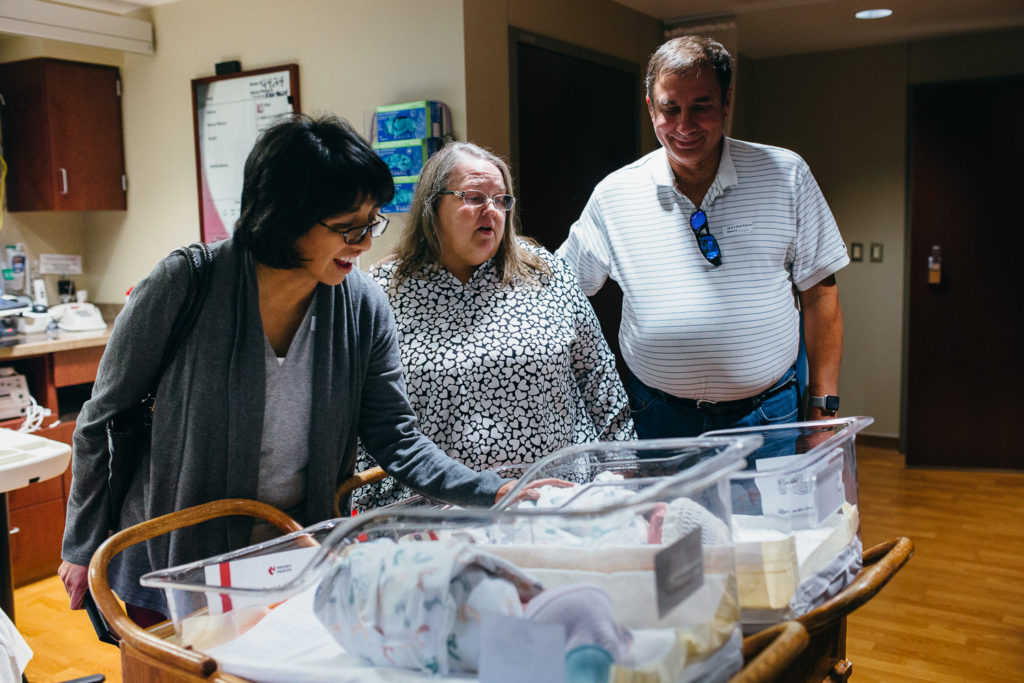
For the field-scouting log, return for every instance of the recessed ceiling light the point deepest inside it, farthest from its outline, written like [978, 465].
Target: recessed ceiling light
[873, 13]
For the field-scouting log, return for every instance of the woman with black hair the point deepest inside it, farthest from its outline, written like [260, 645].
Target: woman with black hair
[293, 356]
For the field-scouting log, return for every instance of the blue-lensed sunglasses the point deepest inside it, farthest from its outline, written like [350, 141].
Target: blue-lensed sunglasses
[706, 242]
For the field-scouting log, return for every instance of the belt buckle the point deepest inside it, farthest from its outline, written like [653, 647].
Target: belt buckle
[705, 403]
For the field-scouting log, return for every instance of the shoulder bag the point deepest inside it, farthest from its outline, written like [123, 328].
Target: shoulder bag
[128, 432]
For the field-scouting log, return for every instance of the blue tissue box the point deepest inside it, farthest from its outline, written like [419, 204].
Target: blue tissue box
[404, 188]
[409, 121]
[406, 157]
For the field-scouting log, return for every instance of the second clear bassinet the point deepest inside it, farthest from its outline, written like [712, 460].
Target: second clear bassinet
[796, 517]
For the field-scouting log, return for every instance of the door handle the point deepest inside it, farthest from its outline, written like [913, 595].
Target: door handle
[63, 181]
[935, 266]
[14, 530]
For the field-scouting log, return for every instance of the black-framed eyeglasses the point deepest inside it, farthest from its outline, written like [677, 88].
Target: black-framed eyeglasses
[502, 202]
[706, 242]
[357, 235]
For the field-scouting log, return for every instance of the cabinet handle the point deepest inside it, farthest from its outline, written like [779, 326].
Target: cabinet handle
[64, 181]
[15, 530]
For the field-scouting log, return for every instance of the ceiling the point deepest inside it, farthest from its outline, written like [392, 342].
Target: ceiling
[774, 28]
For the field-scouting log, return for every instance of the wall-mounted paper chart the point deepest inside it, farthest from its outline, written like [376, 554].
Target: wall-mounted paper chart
[229, 113]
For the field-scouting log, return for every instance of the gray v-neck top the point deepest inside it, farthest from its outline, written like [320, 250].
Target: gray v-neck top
[284, 452]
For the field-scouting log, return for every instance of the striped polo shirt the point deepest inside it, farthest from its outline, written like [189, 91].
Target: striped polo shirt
[689, 328]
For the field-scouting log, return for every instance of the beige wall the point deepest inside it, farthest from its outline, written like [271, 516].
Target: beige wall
[352, 55]
[846, 113]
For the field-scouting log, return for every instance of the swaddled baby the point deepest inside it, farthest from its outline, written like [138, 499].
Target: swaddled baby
[418, 605]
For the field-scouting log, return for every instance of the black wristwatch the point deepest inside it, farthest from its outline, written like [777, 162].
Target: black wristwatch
[828, 404]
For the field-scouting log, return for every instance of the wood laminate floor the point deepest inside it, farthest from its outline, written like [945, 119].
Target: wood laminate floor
[955, 612]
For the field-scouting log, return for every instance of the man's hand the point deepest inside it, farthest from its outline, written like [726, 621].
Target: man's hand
[530, 492]
[820, 414]
[76, 582]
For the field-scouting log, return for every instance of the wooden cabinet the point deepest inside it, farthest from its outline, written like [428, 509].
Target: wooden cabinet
[61, 381]
[62, 136]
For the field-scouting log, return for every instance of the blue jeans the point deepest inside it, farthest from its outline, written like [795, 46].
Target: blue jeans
[658, 415]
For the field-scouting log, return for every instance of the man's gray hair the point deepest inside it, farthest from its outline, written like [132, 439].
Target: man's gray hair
[688, 53]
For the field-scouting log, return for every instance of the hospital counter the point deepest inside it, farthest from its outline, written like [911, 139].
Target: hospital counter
[58, 373]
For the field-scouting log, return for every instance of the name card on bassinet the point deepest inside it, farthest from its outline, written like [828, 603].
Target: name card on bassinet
[816, 491]
[678, 571]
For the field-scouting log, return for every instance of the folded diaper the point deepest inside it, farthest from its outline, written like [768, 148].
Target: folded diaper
[418, 605]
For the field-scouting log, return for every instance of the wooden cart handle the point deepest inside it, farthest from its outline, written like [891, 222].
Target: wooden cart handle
[768, 652]
[881, 563]
[352, 483]
[125, 628]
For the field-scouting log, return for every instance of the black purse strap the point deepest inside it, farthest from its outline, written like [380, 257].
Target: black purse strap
[123, 429]
[199, 260]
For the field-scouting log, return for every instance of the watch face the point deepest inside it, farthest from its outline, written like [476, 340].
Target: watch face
[832, 403]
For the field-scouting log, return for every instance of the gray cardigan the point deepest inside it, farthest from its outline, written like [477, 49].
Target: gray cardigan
[209, 414]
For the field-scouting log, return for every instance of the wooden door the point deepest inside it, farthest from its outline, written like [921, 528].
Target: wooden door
[965, 341]
[575, 119]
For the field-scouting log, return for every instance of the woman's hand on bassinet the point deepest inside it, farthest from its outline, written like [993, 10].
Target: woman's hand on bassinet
[76, 582]
[531, 491]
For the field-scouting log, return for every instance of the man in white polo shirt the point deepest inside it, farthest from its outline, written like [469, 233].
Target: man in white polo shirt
[718, 246]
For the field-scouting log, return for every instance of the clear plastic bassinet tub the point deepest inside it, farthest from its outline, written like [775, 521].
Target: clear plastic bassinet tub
[794, 521]
[795, 518]
[629, 576]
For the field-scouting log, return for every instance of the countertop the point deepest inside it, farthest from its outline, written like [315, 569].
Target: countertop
[39, 343]
[24, 345]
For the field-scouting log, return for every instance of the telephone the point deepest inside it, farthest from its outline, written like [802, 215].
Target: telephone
[77, 317]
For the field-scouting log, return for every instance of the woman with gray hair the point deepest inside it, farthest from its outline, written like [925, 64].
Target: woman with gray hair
[503, 356]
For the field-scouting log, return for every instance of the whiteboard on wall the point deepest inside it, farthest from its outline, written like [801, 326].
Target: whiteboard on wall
[229, 112]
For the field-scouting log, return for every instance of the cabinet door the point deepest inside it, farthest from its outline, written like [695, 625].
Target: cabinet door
[30, 184]
[62, 131]
[85, 135]
[36, 534]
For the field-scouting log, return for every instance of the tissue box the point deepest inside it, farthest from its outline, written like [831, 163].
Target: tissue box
[404, 188]
[409, 121]
[406, 157]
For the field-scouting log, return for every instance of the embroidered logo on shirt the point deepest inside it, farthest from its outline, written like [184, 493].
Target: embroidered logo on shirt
[741, 229]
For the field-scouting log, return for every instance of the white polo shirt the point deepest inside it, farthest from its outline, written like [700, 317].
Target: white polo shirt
[689, 328]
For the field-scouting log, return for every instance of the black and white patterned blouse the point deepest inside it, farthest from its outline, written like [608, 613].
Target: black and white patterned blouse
[501, 375]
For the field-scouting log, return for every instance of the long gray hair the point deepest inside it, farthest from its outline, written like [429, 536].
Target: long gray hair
[420, 244]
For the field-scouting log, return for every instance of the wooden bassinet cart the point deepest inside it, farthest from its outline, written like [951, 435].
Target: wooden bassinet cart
[811, 648]
[152, 654]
